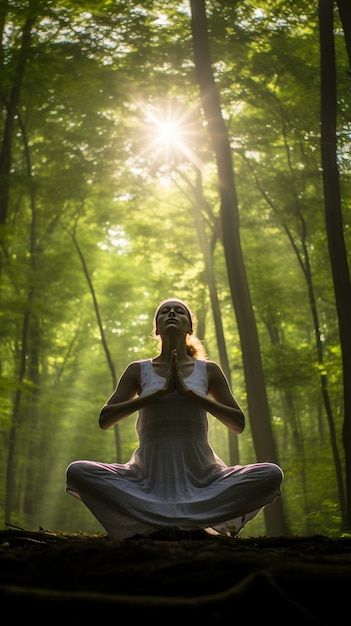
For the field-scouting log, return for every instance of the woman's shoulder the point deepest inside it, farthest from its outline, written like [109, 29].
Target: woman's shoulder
[138, 366]
[132, 369]
[213, 369]
[211, 364]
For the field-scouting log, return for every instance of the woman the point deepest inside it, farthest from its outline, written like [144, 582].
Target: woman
[174, 479]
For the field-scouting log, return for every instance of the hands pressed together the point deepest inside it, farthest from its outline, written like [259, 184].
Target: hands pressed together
[175, 381]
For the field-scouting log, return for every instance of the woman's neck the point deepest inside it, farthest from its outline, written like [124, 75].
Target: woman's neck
[169, 345]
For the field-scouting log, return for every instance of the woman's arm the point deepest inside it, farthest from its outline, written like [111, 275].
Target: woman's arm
[224, 406]
[125, 399]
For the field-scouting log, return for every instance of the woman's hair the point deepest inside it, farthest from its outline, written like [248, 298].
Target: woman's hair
[194, 345]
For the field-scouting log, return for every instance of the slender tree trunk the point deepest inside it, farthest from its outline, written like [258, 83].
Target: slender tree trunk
[12, 104]
[234, 457]
[256, 389]
[334, 221]
[199, 201]
[5, 168]
[103, 340]
[344, 7]
[15, 422]
[301, 250]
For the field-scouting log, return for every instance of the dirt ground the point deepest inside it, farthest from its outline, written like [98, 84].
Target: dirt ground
[54, 578]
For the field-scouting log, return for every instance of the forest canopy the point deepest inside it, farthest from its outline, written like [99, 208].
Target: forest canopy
[113, 197]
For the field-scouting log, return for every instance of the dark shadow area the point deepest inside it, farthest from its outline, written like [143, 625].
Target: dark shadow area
[243, 581]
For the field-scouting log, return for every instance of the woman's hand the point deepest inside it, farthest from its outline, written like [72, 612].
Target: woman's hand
[174, 381]
[170, 384]
[180, 385]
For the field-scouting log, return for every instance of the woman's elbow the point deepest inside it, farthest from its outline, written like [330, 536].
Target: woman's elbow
[103, 424]
[241, 424]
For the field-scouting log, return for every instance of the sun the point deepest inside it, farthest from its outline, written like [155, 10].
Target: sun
[171, 134]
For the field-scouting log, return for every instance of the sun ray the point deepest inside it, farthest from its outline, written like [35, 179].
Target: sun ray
[171, 135]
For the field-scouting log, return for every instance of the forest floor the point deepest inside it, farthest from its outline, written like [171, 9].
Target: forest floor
[54, 578]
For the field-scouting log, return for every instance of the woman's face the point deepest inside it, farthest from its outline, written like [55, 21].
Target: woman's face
[173, 315]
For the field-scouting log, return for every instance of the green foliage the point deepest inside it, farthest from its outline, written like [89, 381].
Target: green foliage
[83, 168]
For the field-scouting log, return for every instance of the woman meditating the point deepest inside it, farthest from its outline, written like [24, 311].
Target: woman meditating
[174, 479]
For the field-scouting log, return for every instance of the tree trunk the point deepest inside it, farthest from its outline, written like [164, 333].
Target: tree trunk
[344, 7]
[109, 359]
[6, 145]
[256, 389]
[334, 222]
[199, 201]
[301, 250]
